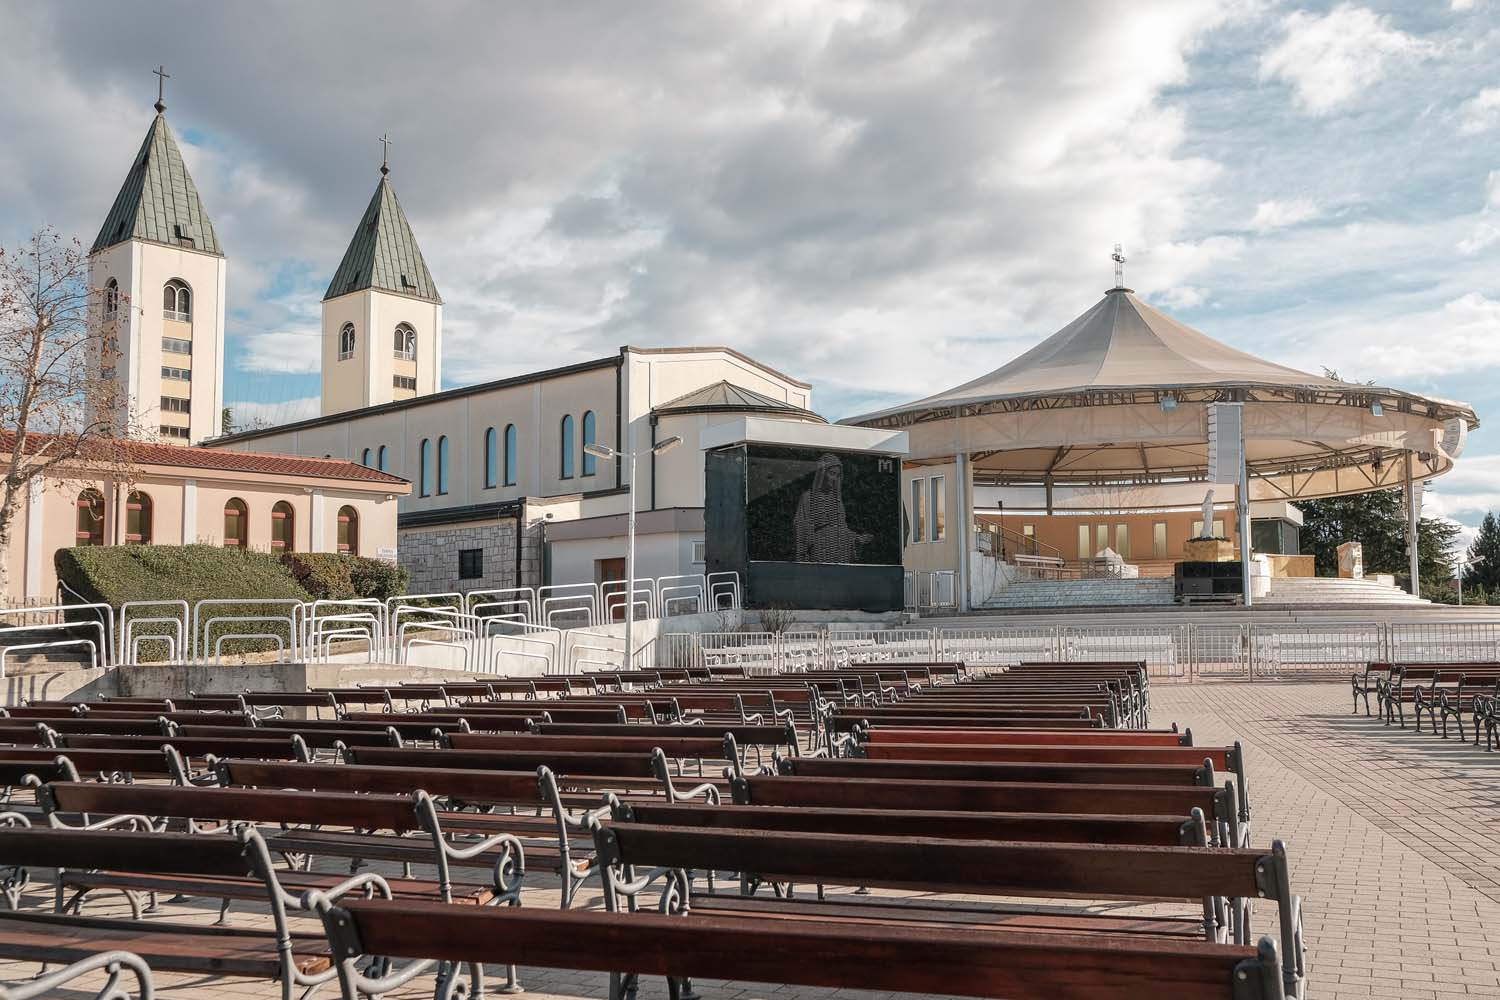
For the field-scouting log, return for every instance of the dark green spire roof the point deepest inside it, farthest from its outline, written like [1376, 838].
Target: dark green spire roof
[159, 201]
[384, 253]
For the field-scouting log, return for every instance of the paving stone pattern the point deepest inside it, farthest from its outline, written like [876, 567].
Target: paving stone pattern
[1392, 837]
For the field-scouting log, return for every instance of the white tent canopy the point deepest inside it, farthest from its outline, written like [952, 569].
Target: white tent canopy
[1121, 395]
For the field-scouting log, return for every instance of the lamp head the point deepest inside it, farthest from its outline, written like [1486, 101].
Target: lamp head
[666, 444]
[600, 451]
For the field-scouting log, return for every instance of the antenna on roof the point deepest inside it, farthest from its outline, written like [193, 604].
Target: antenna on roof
[1119, 259]
[162, 76]
[385, 152]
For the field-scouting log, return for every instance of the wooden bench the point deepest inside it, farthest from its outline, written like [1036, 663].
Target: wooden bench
[1222, 882]
[1016, 965]
[297, 959]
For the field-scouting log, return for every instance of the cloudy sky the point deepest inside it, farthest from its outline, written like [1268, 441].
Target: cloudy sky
[885, 198]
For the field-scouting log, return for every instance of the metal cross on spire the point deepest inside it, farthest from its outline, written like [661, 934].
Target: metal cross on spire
[1119, 259]
[161, 88]
[385, 152]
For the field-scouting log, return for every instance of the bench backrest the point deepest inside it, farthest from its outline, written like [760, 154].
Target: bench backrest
[257, 805]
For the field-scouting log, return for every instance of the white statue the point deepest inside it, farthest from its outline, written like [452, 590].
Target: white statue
[1208, 515]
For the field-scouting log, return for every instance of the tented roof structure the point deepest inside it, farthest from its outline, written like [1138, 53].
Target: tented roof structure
[383, 253]
[1120, 396]
[159, 202]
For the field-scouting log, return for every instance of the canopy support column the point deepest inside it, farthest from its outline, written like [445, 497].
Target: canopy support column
[965, 526]
[1413, 513]
[1242, 520]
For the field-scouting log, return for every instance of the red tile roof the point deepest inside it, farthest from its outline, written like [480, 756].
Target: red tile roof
[185, 456]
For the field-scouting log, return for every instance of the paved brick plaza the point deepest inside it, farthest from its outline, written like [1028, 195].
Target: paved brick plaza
[1393, 839]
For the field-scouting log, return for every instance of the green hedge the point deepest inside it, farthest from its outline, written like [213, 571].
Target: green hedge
[332, 576]
[114, 574]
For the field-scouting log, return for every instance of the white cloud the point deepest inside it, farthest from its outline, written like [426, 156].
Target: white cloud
[1487, 227]
[248, 414]
[1461, 5]
[1463, 335]
[1327, 60]
[285, 352]
[1480, 113]
[1279, 214]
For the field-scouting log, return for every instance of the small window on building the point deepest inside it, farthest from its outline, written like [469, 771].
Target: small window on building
[700, 551]
[184, 238]
[565, 445]
[406, 343]
[1101, 538]
[348, 531]
[346, 342]
[491, 457]
[442, 470]
[177, 301]
[364, 458]
[1085, 542]
[406, 282]
[1159, 540]
[177, 345]
[1122, 540]
[176, 374]
[90, 523]
[177, 433]
[404, 382]
[380, 459]
[424, 468]
[470, 564]
[137, 519]
[939, 507]
[111, 298]
[175, 404]
[510, 454]
[283, 527]
[590, 463]
[236, 524]
[918, 511]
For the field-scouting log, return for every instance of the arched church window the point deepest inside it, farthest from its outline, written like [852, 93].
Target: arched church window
[111, 298]
[346, 342]
[90, 525]
[406, 343]
[177, 301]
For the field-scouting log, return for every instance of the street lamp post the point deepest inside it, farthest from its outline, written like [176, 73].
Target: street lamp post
[609, 454]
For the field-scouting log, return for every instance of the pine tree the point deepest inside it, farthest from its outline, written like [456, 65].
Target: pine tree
[1483, 569]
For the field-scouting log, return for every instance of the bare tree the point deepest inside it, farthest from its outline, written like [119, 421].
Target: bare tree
[59, 397]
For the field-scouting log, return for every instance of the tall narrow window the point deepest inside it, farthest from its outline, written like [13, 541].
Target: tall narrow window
[1122, 540]
[177, 301]
[491, 457]
[406, 343]
[589, 462]
[939, 507]
[380, 459]
[137, 519]
[424, 468]
[346, 342]
[918, 511]
[236, 524]
[90, 524]
[510, 454]
[566, 465]
[348, 531]
[442, 476]
[1159, 540]
[364, 458]
[283, 527]
[111, 298]
[1101, 538]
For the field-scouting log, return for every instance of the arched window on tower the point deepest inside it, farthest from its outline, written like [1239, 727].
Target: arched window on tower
[491, 457]
[346, 342]
[236, 524]
[111, 298]
[137, 519]
[589, 462]
[90, 525]
[348, 531]
[364, 458]
[380, 459]
[442, 476]
[283, 527]
[177, 301]
[510, 454]
[406, 343]
[565, 469]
